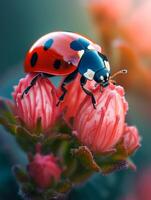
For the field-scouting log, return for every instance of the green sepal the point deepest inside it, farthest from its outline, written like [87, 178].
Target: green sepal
[109, 166]
[63, 186]
[84, 154]
[61, 127]
[38, 130]
[115, 161]
[53, 142]
[27, 140]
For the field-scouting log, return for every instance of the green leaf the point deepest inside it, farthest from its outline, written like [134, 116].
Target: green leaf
[6, 110]
[7, 118]
[8, 126]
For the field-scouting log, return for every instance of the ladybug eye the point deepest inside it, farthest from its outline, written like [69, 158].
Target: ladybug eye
[107, 65]
[102, 78]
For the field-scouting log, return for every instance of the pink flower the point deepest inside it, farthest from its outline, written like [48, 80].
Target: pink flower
[40, 102]
[101, 129]
[131, 139]
[73, 99]
[44, 169]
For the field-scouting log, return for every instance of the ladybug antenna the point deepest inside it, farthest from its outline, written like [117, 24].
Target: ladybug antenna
[123, 71]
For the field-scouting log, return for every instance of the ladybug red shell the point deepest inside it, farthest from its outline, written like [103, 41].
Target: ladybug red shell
[52, 54]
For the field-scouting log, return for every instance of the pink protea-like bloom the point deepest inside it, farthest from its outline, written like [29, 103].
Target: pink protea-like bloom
[73, 99]
[44, 169]
[101, 129]
[40, 102]
[131, 139]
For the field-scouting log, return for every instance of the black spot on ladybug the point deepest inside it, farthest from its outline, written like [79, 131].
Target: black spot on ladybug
[48, 44]
[57, 64]
[34, 59]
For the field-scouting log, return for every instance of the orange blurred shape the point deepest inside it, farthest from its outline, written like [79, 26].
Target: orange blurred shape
[137, 28]
[109, 10]
[107, 16]
[130, 21]
[139, 76]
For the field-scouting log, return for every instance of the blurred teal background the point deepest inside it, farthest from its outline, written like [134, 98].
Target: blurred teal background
[22, 22]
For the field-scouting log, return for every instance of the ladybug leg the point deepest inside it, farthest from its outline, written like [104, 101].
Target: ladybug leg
[64, 90]
[83, 81]
[66, 81]
[32, 83]
[101, 89]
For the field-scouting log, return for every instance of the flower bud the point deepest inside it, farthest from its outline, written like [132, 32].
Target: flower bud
[44, 170]
[40, 102]
[101, 129]
[131, 139]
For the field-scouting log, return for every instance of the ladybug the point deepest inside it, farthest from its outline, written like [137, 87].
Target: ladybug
[67, 54]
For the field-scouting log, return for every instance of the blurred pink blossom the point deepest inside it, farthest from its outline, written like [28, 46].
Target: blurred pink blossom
[40, 102]
[142, 189]
[127, 21]
[143, 186]
[44, 169]
[101, 129]
[131, 17]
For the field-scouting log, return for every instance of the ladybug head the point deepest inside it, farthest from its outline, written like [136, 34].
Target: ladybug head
[102, 76]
